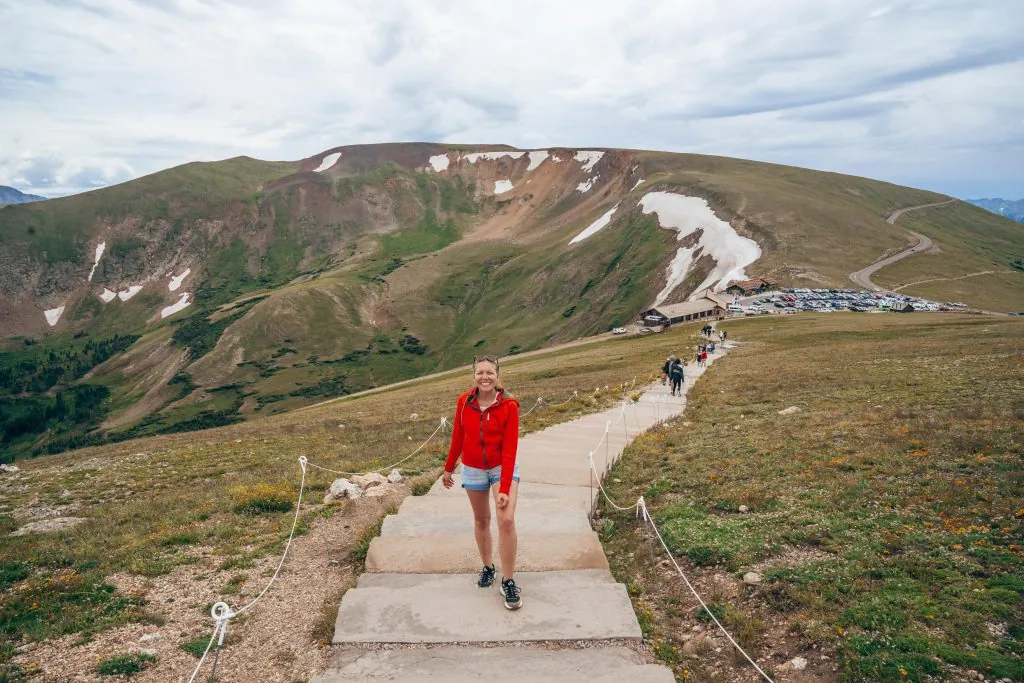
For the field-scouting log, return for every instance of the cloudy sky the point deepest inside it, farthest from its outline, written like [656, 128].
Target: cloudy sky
[928, 93]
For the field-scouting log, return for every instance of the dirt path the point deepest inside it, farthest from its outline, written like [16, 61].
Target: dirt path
[463, 368]
[950, 279]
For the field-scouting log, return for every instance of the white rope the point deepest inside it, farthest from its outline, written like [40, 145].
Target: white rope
[444, 421]
[642, 506]
[590, 459]
[536, 404]
[221, 611]
[555, 405]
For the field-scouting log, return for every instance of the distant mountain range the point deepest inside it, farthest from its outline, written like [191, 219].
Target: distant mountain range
[1011, 208]
[9, 195]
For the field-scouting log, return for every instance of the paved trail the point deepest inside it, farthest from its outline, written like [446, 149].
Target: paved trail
[863, 277]
[417, 615]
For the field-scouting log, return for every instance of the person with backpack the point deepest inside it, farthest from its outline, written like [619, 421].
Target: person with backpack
[677, 374]
[485, 434]
[666, 368]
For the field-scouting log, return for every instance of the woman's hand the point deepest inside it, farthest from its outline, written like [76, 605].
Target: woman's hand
[502, 500]
[447, 480]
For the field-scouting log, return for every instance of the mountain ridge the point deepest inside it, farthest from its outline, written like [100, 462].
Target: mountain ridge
[217, 291]
[1011, 208]
[12, 195]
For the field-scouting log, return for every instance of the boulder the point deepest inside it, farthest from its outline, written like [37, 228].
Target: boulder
[792, 410]
[367, 481]
[395, 477]
[744, 509]
[798, 664]
[378, 491]
[752, 579]
[9, 469]
[342, 488]
[414, 416]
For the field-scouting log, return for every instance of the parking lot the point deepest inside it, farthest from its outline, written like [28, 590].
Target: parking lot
[830, 300]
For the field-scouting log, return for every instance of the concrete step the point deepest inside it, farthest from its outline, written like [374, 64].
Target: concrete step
[430, 608]
[528, 491]
[567, 521]
[459, 505]
[467, 664]
[390, 581]
[458, 554]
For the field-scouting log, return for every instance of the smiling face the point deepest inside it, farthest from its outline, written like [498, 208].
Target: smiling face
[485, 376]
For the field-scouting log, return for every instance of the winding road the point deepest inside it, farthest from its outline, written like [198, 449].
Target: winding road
[863, 276]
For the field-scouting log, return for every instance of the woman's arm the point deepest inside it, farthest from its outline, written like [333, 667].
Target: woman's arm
[509, 446]
[455, 450]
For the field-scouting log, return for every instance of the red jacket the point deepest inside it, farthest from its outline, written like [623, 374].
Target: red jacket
[486, 439]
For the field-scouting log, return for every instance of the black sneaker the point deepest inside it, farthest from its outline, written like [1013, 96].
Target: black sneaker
[486, 579]
[511, 592]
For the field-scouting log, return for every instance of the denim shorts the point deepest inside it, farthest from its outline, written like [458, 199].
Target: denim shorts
[476, 479]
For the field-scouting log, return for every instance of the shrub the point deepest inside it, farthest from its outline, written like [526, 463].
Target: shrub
[196, 646]
[261, 498]
[125, 664]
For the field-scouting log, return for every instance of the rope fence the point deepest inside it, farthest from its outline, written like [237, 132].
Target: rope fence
[222, 613]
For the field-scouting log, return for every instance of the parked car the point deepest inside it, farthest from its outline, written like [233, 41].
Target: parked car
[619, 330]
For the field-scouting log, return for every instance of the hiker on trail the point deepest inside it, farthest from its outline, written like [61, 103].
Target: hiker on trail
[711, 348]
[704, 358]
[677, 377]
[485, 433]
[666, 368]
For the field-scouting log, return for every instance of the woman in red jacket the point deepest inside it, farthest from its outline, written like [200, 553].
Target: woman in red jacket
[486, 435]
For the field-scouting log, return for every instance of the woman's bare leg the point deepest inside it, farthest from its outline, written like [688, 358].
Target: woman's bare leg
[508, 540]
[482, 524]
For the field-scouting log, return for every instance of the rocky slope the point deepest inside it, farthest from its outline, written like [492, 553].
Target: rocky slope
[244, 287]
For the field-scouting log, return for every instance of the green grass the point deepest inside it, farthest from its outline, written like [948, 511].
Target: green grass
[150, 503]
[125, 665]
[895, 485]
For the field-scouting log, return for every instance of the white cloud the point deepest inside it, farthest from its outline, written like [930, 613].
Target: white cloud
[97, 91]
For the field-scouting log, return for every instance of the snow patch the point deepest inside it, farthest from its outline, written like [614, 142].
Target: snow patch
[586, 185]
[53, 315]
[176, 280]
[108, 296]
[731, 252]
[638, 182]
[604, 220]
[537, 158]
[99, 253]
[502, 186]
[175, 307]
[491, 156]
[555, 158]
[129, 293]
[439, 162]
[327, 162]
[588, 159]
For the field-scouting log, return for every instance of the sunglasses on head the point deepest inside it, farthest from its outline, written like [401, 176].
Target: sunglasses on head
[488, 359]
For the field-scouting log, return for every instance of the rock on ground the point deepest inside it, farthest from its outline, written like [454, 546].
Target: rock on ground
[752, 578]
[791, 410]
[342, 488]
[366, 481]
[48, 525]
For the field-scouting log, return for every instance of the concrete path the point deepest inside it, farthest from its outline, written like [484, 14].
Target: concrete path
[419, 595]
